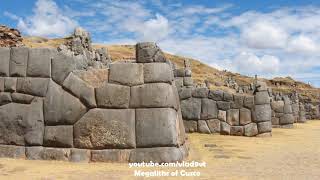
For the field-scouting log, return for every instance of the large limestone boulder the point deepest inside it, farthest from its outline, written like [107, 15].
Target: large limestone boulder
[18, 61]
[22, 124]
[191, 108]
[106, 129]
[60, 107]
[156, 127]
[147, 52]
[233, 117]
[39, 63]
[4, 61]
[157, 72]
[277, 106]
[209, 109]
[262, 113]
[113, 96]
[80, 89]
[154, 95]
[126, 74]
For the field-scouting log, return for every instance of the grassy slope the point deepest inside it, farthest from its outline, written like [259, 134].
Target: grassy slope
[200, 70]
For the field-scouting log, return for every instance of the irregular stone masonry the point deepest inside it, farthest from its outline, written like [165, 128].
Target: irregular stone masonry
[282, 113]
[48, 112]
[200, 107]
[312, 111]
[216, 111]
[287, 110]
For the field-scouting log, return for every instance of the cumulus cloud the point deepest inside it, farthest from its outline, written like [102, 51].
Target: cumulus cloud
[303, 44]
[47, 20]
[154, 29]
[249, 63]
[263, 35]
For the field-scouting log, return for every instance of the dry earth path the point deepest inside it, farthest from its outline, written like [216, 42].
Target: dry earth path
[289, 154]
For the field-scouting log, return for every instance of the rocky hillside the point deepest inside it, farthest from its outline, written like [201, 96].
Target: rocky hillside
[200, 70]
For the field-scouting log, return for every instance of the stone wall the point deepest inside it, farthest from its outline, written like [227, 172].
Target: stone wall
[287, 110]
[215, 111]
[311, 111]
[282, 113]
[48, 112]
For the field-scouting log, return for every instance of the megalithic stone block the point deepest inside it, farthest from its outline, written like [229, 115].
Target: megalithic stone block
[39, 63]
[156, 127]
[81, 90]
[106, 129]
[147, 52]
[113, 96]
[4, 61]
[19, 61]
[154, 95]
[62, 65]
[157, 72]
[129, 74]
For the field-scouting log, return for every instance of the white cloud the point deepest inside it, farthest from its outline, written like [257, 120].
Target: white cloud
[10, 15]
[302, 44]
[249, 63]
[47, 20]
[264, 35]
[154, 29]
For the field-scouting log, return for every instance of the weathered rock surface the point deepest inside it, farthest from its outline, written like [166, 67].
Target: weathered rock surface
[22, 124]
[200, 92]
[39, 63]
[21, 98]
[209, 109]
[225, 128]
[262, 113]
[81, 90]
[236, 130]
[261, 98]
[157, 72]
[8, 151]
[264, 127]
[203, 127]
[190, 126]
[106, 129]
[80, 155]
[33, 86]
[250, 129]
[129, 74]
[154, 95]
[147, 52]
[191, 108]
[214, 125]
[10, 84]
[4, 61]
[113, 96]
[60, 107]
[165, 133]
[18, 61]
[233, 117]
[58, 136]
[216, 95]
[62, 65]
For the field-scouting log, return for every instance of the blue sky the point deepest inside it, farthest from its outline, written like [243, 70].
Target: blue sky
[269, 38]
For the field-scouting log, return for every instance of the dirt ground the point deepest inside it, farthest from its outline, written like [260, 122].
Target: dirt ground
[288, 154]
